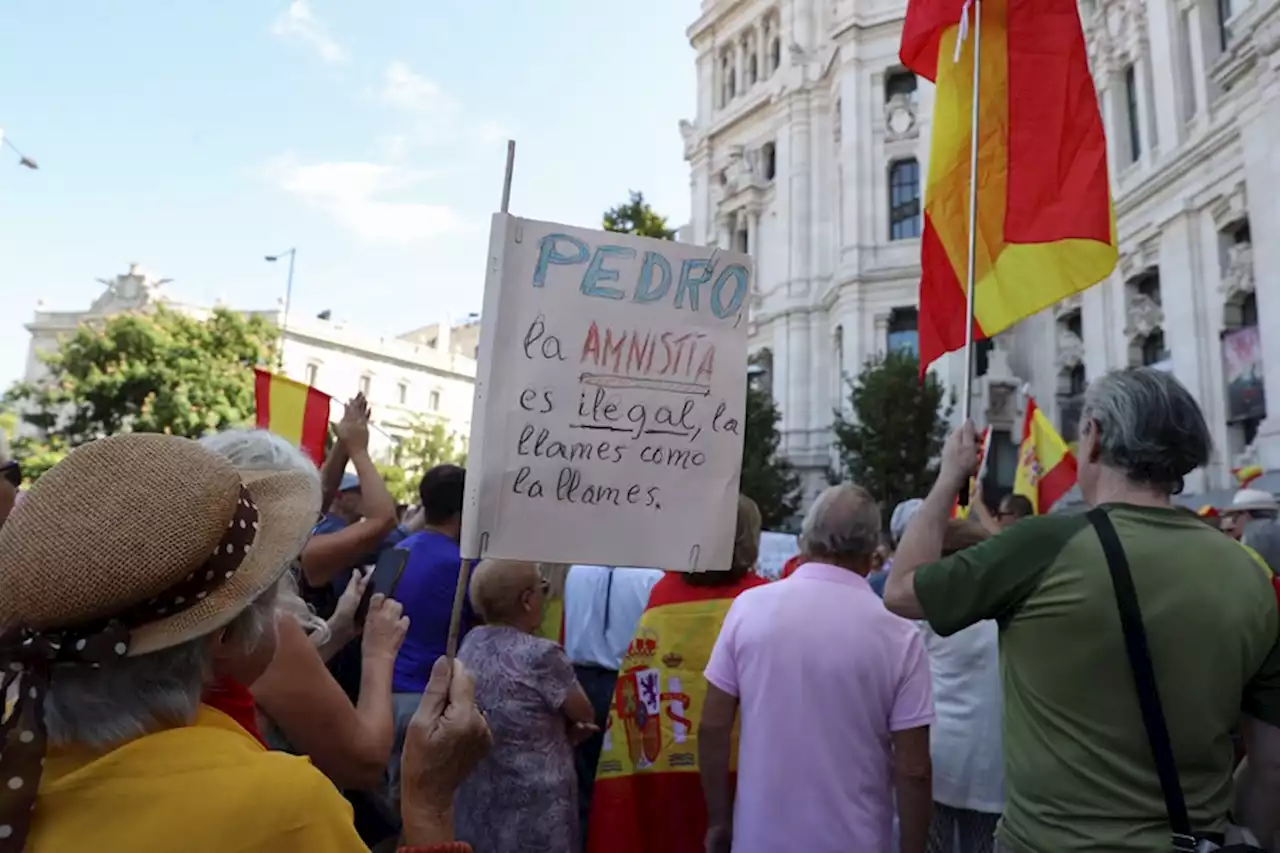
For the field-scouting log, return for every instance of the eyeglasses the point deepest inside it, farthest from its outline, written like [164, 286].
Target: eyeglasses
[11, 471]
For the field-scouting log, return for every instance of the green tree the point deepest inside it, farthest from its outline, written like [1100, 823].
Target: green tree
[637, 217]
[154, 371]
[767, 478]
[892, 443]
[426, 445]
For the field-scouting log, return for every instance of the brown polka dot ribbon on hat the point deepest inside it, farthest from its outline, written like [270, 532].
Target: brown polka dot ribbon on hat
[28, 658]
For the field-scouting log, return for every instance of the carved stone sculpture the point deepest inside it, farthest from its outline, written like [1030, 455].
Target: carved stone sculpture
[1237, 280]
[1070, 348]
[1143, 316]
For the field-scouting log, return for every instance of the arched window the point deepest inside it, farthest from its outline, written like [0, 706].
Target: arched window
[769, 161]
[904, 200]
[753, 69]
[1153, 351]
[775, 54]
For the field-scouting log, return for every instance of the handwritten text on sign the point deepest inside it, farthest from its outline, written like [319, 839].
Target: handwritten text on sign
[610, 399]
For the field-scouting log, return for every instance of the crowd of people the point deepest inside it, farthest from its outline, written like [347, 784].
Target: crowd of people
[192, 661]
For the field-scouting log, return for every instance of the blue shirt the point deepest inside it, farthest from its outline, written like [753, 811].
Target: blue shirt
[332, 524]
[602, 608]
[426, 590]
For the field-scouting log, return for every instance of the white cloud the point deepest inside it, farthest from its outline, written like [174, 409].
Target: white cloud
[406, 89]
[299, 23]
[355, 195]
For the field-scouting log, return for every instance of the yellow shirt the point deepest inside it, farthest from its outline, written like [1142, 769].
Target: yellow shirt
[206, 788]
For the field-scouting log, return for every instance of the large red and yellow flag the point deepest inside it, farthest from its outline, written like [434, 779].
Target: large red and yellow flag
[648, 791]
[1046, 466]
[294, 411]
[958, 511]
[1045, 224]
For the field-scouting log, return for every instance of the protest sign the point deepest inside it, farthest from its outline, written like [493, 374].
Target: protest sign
[610, 397]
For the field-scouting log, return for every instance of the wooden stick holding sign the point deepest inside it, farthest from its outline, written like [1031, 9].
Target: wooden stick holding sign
[464, 570]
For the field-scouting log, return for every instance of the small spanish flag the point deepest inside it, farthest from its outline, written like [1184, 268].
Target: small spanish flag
[1045, 224]
[294, 411]
[1046, 466]
[1247, 474]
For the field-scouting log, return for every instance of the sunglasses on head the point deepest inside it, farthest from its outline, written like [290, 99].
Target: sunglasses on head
[11, 472]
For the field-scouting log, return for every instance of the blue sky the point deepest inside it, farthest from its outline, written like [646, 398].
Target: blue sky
[195, 137]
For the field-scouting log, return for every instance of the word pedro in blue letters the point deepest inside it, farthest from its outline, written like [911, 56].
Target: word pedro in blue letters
[724, 290]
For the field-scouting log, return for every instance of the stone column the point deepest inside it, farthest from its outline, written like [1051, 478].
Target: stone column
[1146, 143]
[1179, 261]
[880, 343]
[1260, 128]
[1162, 18]
[799, 180]
[740, 68]
[1196, 20]
[753, 231]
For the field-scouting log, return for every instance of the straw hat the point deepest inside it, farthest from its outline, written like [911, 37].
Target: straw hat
[122, 520]
[130, 545]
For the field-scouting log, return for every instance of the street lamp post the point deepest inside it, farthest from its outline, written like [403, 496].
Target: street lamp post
[23, 159]
[288, 297]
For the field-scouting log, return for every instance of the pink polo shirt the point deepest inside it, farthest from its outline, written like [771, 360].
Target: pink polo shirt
[823, 674]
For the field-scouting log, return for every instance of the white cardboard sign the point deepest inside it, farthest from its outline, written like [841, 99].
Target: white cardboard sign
[609, 402]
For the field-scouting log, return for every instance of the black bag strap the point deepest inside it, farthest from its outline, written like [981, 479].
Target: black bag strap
[1144, 677]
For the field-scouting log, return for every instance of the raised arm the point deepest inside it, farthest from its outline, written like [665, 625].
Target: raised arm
[350, 745]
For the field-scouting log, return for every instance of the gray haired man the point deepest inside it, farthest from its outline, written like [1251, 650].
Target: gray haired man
[1079, 773]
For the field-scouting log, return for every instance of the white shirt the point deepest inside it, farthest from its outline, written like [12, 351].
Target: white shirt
[965, 740]
[602, 608]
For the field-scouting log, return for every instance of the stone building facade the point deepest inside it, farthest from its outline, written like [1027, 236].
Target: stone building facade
[424, 375]
[809, 150]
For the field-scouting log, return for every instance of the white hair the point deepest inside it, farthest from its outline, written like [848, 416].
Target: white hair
[1149, 427]
[259, 450]
[133, 697]
[844, 522]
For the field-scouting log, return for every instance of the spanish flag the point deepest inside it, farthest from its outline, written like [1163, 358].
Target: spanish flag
[1045, 224]
[1046, 467]
[294, 411]
[648, 791]
[958, 511]
[1247, 474]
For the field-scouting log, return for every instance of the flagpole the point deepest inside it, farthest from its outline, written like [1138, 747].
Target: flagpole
[971, 274]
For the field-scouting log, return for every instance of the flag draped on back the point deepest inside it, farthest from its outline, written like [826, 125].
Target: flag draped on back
[648, 791]
[293, 411]
[1046, 466]
[1045, 224]
[958, 511]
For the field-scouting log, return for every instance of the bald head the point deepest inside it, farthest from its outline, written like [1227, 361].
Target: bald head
[498, 588]
[842, 526]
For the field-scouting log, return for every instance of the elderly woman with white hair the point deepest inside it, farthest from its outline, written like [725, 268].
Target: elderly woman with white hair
[524, 795]
[304, 706]
[123, 597]
[1080, 766]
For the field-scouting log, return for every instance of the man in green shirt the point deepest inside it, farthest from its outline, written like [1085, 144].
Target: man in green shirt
[1079, 774]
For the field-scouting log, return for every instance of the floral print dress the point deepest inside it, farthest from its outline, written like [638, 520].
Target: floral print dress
[524, 795]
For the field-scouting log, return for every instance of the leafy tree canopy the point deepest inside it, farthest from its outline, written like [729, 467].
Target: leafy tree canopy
[767, 478]
[637, 217]
[426, 445]
[155, 371]
[892, 443]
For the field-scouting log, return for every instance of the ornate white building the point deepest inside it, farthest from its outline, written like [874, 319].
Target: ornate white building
[427, 374]
[809, 150]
